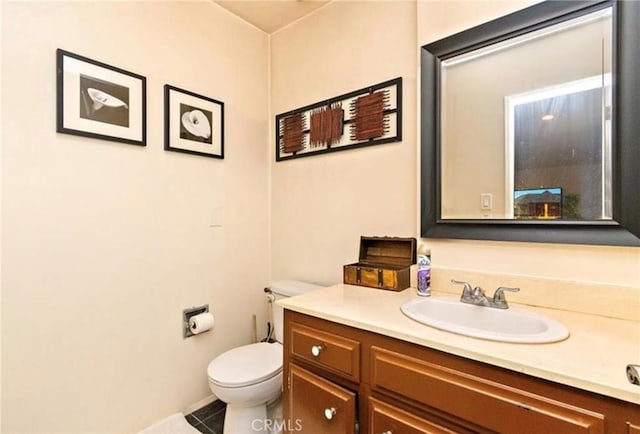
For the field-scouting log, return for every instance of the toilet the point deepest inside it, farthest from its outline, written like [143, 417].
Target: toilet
[249, 377]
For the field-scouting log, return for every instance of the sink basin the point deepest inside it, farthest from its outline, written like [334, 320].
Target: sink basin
[505, 325]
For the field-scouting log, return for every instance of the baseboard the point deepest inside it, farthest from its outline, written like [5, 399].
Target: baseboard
[195, 406]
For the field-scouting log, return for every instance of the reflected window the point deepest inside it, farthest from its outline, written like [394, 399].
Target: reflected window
[561, 137]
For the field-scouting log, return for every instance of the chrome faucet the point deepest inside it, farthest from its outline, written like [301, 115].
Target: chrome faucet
[478, 297]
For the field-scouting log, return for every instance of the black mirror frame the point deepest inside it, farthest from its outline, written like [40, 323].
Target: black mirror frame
[624, 228]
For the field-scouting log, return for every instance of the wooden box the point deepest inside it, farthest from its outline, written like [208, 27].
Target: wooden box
[384, 263]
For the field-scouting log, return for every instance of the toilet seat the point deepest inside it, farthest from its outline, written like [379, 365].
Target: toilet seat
[246, 365]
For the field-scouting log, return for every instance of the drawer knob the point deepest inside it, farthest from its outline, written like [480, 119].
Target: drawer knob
[329, 413]
[316, 350]
[387, 432]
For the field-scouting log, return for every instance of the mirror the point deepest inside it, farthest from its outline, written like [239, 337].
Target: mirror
[527, 127]
[532, 143]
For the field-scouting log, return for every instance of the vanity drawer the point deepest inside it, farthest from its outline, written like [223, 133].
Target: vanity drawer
[468, 397]
[332, 352]
[317, 405]
[386, 418]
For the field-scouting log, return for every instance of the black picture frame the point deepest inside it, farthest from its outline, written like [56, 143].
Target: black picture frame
[624, 228]
[194, 123]
[99, 101]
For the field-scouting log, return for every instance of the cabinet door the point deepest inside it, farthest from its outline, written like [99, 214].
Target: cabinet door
[319, 406]
[388, 419]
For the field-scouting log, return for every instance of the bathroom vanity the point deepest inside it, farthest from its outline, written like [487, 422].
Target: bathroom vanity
[351, 358]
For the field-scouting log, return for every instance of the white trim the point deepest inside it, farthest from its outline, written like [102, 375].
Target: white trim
[198, 405]
[509, 157]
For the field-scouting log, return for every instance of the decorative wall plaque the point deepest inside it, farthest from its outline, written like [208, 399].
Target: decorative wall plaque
[374, 117]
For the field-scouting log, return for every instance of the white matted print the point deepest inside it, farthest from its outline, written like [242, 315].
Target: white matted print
[194, 124]
[100, 101]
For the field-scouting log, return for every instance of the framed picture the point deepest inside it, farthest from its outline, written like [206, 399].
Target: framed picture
[193, 123]
[100, 101]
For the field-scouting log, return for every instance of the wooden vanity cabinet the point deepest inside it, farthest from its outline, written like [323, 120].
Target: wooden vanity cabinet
[340, 379]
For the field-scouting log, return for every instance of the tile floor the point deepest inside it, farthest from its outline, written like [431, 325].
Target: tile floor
[208, 419]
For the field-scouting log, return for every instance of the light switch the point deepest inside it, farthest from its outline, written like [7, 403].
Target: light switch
[216, 217]
[486, 201]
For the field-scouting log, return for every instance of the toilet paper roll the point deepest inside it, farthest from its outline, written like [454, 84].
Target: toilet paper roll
[201, 323]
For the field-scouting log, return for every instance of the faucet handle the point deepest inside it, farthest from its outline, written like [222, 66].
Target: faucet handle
[467, 286]
[499, 298]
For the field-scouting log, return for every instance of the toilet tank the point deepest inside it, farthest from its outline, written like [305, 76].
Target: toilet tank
[282, 289]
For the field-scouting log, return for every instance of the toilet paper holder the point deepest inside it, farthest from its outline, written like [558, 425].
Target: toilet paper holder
[188, 313]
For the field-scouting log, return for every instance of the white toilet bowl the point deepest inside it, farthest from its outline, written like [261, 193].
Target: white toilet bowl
[247, 378]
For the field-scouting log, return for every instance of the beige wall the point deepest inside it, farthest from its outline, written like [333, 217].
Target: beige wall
[1, 201]
[321, 205]
[104, 244]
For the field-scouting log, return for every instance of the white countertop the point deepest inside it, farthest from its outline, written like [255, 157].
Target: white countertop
[593, 358]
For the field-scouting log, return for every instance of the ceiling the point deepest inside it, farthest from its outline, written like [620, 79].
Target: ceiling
[271, 15]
